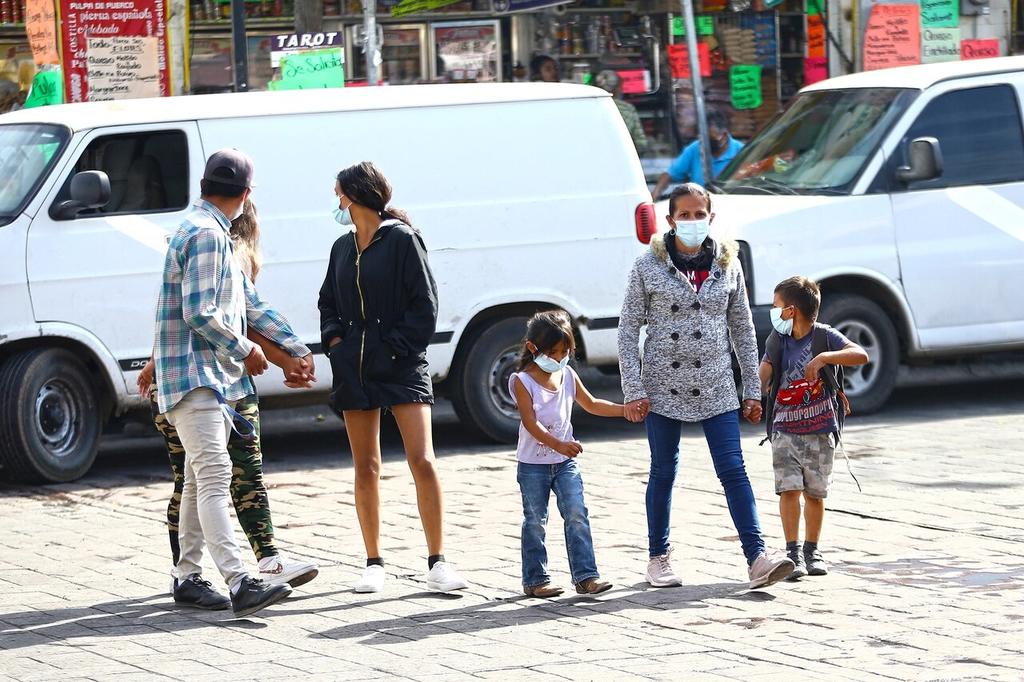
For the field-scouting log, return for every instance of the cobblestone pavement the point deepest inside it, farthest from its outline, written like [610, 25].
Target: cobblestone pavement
[927, 575]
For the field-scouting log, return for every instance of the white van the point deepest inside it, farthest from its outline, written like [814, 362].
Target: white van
[528, 196]
[902, 192]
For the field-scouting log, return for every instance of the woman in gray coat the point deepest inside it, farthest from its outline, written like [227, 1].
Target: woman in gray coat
[690, 293]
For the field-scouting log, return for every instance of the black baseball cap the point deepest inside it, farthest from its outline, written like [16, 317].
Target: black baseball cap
[229, 167]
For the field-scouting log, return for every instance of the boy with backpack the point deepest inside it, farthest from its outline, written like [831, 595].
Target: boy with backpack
[802, 379]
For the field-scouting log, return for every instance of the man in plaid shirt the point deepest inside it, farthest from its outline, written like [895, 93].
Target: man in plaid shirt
[204, 364]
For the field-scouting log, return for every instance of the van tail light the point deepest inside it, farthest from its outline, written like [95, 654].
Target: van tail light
[645, 222]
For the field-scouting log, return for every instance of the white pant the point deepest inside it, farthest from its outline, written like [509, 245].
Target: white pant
[203, 429]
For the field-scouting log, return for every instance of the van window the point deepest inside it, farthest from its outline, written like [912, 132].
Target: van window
[148, 171]
[979, 132]
[27, 153]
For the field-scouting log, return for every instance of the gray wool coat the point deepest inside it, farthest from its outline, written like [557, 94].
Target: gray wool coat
[686, 369]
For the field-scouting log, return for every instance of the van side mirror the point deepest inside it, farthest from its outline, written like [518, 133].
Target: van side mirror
[89, 190]
[925, 157]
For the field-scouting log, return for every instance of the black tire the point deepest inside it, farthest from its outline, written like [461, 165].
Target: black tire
[865, 323]
[480, 390]
[50, 420]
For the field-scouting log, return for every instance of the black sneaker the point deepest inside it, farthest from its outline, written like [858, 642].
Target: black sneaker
[198, 593]
[797, 557]
[254, 594]
[815, 564]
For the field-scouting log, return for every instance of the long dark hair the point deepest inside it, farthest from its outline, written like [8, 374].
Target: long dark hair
[545, 331]
[364, 184]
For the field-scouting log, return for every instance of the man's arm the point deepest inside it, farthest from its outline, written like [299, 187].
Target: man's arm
[201, 280]
[271, 324]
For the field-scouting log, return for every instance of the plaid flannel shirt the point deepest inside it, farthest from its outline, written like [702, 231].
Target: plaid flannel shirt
[204, 306]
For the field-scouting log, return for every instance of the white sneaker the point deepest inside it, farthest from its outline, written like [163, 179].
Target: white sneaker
[768, 570]
[279, 569]
[660, 573]
[444, 578]
[372, 580]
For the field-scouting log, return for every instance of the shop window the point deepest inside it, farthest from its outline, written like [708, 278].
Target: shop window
[148, 171]
[979, 132]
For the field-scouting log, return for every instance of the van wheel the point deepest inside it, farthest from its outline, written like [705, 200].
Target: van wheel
[480, 394]
[49, 417]
[862, 321]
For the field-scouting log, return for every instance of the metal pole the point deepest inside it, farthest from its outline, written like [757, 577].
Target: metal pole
[698, 90]
[370, 47]
[239, 48]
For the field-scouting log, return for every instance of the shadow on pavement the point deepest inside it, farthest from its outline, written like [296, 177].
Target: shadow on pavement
[122, 618]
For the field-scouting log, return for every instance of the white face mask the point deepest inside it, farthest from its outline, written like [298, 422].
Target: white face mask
[693, 232]
[343, 216]
[784, 327]
[238, 212]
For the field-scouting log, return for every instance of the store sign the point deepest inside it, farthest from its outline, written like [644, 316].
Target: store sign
[892, 37]
[940, 14]
[815, 36]
[295, 42]
[635, 81]
[122, 68]
[513, 6]
[95, 19]
[679, 60]
[415, 6]
[940, 45]
[47, 88]
[41, 27]
[705, 26]
[980, 49]
[745, 86]
[312, 70]
[815, 69]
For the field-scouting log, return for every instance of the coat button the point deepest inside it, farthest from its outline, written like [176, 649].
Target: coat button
[671, 270]
[675, 308]
[696, 334]
[675, 365]
[675, 336]
[696, 305]
[696, 391]
[674, 392]
[697, 364]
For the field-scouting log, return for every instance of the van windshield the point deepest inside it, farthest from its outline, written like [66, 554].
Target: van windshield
[819, 145]
[27, 153]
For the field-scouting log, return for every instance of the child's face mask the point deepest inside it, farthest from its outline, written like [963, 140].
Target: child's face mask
[550, 365]
[784, 327]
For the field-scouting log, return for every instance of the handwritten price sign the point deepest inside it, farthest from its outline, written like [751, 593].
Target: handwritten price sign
[745, 84]
[893, 37]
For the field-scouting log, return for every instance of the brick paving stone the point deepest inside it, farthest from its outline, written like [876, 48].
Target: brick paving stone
[926, 583]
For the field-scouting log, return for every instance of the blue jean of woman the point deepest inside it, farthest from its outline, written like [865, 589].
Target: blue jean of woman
[723, 437]
[536, 481]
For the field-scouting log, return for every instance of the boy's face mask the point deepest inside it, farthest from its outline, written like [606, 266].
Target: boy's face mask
[784, 327]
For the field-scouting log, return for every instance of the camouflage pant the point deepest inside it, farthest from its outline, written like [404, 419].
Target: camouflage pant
[249, 495]
[803, 462]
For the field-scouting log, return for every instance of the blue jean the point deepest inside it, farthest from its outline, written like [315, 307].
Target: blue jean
[536, 481]
[723, 436]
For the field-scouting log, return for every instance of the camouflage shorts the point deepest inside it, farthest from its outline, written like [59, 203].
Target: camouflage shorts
[803, 462]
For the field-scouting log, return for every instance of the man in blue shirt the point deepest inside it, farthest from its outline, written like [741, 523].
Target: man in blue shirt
[688, 168]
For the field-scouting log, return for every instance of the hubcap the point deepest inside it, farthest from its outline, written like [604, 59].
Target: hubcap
[502, 368]
[56, 418]
[859, 380]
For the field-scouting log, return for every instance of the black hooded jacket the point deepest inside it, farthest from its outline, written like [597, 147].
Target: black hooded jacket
[382, 304]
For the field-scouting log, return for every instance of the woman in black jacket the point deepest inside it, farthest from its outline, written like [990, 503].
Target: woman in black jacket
[378, 310]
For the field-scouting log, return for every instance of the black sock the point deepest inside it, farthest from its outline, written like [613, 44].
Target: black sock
[433, 559]
[810, 546]
[791, 546]
[375, 561]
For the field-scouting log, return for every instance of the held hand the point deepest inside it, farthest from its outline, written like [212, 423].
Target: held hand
[256, 362]
[637, 410]
[299, 372]
[568, 448]
[145, 378]
[752, 411]
[814, 368]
